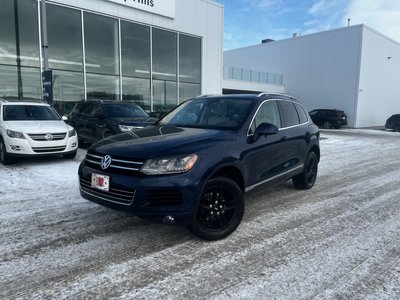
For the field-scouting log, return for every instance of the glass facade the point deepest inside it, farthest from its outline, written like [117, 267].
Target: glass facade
[19, 50]
[94, 56]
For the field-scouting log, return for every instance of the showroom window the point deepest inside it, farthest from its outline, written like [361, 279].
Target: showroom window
[19, 55]
[136, 63]
[165, 94]
[189, 67]
[102, 57]
[64, 30]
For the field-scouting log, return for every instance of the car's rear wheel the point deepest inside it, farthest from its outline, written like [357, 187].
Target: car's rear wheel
[4, 157]
[327, 124]
[220, 210]
[306, 179]
[71, 155]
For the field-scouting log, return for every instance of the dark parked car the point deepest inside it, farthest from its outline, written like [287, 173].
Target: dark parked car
[195, 165]
[329, 118]
[97, 119]
[393, 123]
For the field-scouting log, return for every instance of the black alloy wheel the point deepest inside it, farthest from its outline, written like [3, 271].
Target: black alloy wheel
[327, 124]
[220, 210]
[306, 179]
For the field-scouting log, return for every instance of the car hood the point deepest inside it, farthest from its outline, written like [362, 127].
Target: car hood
[156, 141]
[38, 126]
[135, 121]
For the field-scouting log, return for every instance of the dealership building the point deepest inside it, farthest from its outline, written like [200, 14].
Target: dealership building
[354, 69]
[160, 52]
[155, 52]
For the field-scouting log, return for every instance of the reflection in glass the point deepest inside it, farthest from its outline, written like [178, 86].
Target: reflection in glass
[135, 50]
[164, 55]
[102, 87]
[138, 90]
[64, 38]
[101, 44]
[189, 59]
[164, 95]
[67, 86]
[188, 90]
[31, 78]
[21, 36]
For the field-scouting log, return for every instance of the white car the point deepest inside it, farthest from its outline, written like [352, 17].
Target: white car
[34, 129]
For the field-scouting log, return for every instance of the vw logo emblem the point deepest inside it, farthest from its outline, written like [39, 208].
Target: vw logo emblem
[48, 136]
[105, 162]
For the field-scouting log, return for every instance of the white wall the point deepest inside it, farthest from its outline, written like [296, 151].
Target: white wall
[379, 89]
[202, 18]
[320, 69]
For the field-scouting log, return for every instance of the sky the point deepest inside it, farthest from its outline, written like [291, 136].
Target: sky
[248, 22]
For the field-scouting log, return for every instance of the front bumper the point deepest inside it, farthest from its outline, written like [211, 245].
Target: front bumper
[23, 147]
[149, 197]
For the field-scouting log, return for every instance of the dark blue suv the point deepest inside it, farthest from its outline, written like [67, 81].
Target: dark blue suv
[196, 164]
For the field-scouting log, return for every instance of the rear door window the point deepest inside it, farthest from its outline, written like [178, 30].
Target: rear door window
[289, 113]
[302, 114]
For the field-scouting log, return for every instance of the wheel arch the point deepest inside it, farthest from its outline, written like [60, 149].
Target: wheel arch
[230, 171]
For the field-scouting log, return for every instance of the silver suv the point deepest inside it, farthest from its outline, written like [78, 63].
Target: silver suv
[33, 129]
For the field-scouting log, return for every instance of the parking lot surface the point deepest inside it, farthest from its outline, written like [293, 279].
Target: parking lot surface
[339, 240]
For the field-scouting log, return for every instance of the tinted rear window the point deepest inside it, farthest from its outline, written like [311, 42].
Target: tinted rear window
[290, 116]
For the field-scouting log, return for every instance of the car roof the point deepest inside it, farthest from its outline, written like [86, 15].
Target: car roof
[20, 102]
[100, 101]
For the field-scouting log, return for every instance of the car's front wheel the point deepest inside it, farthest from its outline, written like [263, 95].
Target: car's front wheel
[4, 157]
[220, 210]
[306, 179]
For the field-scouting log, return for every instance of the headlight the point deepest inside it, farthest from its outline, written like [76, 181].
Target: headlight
[128, 128]
[72, 133]
[15, 134]
[169, 165]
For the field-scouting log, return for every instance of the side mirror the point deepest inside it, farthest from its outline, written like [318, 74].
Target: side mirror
[264, 129]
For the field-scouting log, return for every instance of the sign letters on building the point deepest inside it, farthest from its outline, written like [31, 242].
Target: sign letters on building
[160, 7]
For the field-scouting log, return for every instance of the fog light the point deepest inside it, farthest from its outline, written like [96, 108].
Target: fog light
[73, 144]
[15, 148]
[168, 220]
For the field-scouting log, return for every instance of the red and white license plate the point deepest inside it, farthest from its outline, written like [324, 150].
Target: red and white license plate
[101, 182]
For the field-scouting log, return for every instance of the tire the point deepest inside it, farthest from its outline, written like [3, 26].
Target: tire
[5, 159]
[327, 124]
[396, 128]
[70, 155]
[220, 210]
[306, 179]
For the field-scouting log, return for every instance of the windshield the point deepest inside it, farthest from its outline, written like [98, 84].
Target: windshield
[223, 113]
[125, 110]
[29, 113]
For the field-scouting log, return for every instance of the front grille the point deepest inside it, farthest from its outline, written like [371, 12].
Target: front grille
[42, 136]
[48, 149]
[115, 195]
[164, 197]
[117, 164]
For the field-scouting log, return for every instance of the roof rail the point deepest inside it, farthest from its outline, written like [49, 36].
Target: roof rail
[281, 94]
[207, 95]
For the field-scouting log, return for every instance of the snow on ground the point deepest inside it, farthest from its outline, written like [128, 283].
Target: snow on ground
[339, 240]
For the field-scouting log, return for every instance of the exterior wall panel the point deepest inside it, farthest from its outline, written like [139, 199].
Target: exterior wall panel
[379, 92]
[321, 69]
